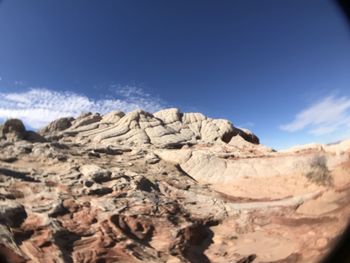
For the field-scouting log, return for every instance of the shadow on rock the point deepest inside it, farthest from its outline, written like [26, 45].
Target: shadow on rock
[18, 175]
[199, 237]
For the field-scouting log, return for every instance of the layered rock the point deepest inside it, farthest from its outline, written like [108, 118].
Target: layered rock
[167, 128]
[166, 187]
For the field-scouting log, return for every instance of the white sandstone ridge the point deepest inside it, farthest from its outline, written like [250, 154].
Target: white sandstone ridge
[337, 148]
[168, 128]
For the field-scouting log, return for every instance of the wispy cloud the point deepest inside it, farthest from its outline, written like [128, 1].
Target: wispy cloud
[248, 124]
[38, 106]
[324, 117]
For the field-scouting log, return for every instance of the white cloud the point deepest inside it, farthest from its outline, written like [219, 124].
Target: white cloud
[128, 91]
[327, 116]
[38, 106]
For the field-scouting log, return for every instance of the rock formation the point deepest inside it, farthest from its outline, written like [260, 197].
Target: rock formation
[165, 187]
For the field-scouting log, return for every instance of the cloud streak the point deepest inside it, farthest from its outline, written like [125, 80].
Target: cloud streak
[326, 116]
[38, 106]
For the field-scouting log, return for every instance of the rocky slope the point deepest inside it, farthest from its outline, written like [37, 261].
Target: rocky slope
[165, 187]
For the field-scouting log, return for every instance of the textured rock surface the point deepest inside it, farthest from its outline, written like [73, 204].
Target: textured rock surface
[165, 187]
[13, 129]
[168, 128]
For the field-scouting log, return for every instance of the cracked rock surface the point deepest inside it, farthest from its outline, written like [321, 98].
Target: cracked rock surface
[165, 187]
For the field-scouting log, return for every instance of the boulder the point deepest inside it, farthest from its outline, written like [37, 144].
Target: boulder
[13, 129]
[247, 135]
[112, 117]
[57, 125]
[12, 213]
[34, 137]
[96, 173]
[86, 119]
[169, 115]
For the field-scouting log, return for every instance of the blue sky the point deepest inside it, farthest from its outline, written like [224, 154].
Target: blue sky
[279, 68]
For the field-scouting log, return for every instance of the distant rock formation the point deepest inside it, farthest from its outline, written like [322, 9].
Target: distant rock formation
[167, 128]
[14, 130]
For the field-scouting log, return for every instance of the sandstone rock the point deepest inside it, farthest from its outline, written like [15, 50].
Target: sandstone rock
[177, 156]
[13, 129]
[167, 128]
[144, 184]
[305, 148]
[169, 116]
[95, 173]
[112, 117]
[111, 150]
[321, 243]
[12, 214]
[247, 135]
[2, 133]
[34, 137]
[57, 125]
[338, 148]
[152, 159]
[165, 187]
[86, 119]
[99, 190]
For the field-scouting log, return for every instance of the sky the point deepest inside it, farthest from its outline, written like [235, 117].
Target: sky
[278, 68]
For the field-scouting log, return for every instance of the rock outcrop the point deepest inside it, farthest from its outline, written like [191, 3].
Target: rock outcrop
[164, 129]
[57, 125]
[14, 130]
[165, 187]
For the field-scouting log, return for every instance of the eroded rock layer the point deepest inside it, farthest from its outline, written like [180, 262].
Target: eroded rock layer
[164, 129]
[165, 187]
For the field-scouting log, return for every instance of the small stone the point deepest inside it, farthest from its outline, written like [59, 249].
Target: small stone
[96, 173]
[321, 242]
